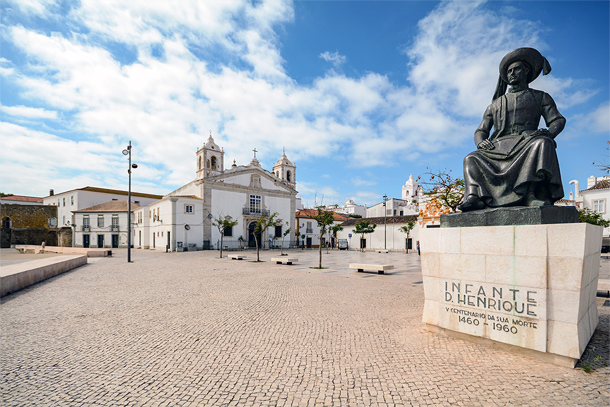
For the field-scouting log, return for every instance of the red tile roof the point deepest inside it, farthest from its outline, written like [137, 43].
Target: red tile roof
[605, 184]
[23, 198]
[307, 213]
[111, 206]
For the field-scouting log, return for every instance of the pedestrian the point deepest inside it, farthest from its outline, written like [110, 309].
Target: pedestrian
[418, 248]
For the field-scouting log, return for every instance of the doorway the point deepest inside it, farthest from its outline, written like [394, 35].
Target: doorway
[251, 240]
[169, 244]
[115, 241]
[308, 243]
[86, 240]
[100, 240]
[363, 243]
[409, 244]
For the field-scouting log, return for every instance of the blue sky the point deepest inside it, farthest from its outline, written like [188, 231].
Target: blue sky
[360, 93]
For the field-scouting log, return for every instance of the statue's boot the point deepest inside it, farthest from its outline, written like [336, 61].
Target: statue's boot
[472, 203]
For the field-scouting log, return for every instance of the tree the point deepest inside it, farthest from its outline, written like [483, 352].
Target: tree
[222, 225]
[364, 227]
[264, 223]
[407, 229]
[444, 189]
[324, 219]
[2, 194]
[592, 217]
[286, 232]
[334, 229]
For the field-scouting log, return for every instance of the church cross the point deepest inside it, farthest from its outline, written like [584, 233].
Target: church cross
[254, 152]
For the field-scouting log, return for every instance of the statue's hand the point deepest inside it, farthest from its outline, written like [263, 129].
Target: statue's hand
[542, 132]
[486, 145]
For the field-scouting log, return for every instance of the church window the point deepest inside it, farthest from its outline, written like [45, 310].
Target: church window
[207, 164]
[100, 221]
[188, 208]
[255, 204]
[199, 164]
[288, 176]
[64, 199]
[213, 163]
[71, 200]
[228, 232]
[53, 222]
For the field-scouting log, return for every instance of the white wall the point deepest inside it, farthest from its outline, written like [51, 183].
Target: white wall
[395, 239]
[95, 231]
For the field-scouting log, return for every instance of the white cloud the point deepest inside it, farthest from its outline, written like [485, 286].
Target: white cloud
[197, 66]
[333, 57]
[29, 112]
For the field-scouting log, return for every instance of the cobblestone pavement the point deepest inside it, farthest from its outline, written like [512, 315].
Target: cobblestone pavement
[190, 329]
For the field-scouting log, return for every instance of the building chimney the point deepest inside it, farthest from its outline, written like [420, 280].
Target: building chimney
[51, 192]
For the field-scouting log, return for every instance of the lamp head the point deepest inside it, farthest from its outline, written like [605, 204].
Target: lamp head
[125, 152]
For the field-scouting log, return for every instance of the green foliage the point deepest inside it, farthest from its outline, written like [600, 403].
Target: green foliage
[587, 364]
[407, 229]
[264, 223]
[324, 220]
[592, 217]
[364, 227]
[445, 189]
[222, 225]
[2, 194]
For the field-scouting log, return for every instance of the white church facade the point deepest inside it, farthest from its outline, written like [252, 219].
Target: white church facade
[183, 219]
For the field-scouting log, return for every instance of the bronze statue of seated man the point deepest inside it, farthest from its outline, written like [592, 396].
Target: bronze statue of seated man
[516, 164]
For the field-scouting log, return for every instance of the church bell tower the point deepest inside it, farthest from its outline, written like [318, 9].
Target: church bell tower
[210, 159]
[285, 170]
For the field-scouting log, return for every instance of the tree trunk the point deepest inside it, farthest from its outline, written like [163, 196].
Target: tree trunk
[407, 242]
[320, 262]
[256, 243]
[221, 244]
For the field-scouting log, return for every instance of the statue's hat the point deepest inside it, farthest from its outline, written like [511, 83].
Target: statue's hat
[534, 59]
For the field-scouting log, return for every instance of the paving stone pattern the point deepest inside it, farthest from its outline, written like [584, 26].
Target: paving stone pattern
[190, 329]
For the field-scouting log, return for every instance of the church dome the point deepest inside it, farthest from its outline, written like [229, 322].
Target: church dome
[284, 160]
[211, 144]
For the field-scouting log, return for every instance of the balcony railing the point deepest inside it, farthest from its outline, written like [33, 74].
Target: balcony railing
[255, 212]
[309, 230]
[115, 228]
[86, 229]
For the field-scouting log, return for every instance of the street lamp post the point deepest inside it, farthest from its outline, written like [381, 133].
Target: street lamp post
[385, 227]
[127, 152]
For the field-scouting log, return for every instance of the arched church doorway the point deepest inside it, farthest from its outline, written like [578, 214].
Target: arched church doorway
[251, 240]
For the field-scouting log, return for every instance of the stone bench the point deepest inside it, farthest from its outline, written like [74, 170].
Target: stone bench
[379, 268]
[383, 251]
[237, 256]
[287, 260]
[14, 277]
[89, 252]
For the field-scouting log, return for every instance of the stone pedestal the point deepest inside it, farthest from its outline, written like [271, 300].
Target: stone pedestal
[532, 287]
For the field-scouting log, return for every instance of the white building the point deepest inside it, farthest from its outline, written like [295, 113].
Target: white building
[103, 225]
[349, 208]
[387, 234]
[596, 198]
[243, 192]
[308, 231]
[412, 194]
[81, 198]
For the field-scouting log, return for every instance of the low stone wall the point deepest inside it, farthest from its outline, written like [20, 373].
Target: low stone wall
[532, 287]
[89, 252]
[18, 276]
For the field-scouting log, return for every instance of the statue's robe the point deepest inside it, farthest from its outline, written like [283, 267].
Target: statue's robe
[503, 176]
